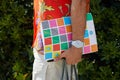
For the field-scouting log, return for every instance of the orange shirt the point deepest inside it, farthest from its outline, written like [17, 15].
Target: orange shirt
[49, 9]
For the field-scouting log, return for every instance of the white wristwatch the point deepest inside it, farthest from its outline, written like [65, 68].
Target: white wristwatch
[77, 43]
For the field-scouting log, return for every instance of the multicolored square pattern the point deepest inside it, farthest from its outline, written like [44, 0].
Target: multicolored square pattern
[57, 36]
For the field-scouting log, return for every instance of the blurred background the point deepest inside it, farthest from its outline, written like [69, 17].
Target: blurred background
[16, 35]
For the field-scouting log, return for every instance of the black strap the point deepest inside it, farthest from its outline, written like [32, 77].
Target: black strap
[65, 70]
[76, 75]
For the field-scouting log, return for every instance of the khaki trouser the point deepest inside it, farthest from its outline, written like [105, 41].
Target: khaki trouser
[43, 70]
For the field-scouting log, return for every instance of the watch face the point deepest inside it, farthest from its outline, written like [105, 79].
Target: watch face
[77, 44]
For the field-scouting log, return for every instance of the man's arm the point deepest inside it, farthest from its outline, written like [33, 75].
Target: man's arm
[78, 15]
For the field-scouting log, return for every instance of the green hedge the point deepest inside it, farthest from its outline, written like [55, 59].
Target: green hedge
[16, 31]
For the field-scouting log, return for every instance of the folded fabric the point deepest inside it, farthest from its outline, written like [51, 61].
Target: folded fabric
[57, 36]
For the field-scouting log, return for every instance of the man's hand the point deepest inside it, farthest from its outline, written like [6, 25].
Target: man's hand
[72, 55]
[40, 52]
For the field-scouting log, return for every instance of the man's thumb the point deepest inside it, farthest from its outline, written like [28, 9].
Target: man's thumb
[63, 56]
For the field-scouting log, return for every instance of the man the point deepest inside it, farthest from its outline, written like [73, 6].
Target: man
[50, 9]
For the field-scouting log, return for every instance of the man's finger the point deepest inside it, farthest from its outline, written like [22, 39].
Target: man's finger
[63, 55]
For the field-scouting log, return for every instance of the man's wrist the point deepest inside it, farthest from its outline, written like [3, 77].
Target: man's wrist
[77, 49]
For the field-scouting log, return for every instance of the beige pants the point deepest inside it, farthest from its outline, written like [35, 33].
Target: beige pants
[43, 70]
